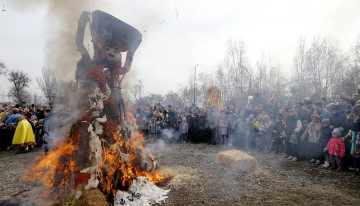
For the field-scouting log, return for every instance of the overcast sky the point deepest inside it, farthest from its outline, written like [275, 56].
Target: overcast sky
[178, 34]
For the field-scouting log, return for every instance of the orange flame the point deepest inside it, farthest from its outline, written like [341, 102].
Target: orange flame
[57, 169]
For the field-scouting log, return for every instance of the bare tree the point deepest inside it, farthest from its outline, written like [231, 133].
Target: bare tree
[173, 99]
[184, 94]
[318, 69]
[136, 91]
[205, 81]
[153, 99]
[235, 77]
[47, 85]
[349, 80]
[37, 100]
[298, 89]
[20, 81]
[261, 75]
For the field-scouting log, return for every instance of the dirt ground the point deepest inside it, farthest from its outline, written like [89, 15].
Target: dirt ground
[201, 180]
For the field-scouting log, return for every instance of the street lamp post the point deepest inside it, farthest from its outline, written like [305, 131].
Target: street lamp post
[194, 82]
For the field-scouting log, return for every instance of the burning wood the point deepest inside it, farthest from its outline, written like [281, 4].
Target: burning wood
[100, 151]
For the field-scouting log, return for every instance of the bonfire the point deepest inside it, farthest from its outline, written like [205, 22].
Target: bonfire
[101, 149]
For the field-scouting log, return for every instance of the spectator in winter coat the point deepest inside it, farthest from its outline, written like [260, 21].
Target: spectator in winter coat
[223, 128]
[293, 127]
[356, 144]
[264, 136]
[6, 114]
[183, 129]
[171, 118]
[324, 138]
[312, 136]
[336, 149]
[338, 113]
[350, 120]
[325, 132]
[24, 135]
[152, 127]
[278, 129]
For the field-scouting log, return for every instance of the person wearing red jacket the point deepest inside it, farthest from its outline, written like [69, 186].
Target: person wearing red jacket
[336, 149]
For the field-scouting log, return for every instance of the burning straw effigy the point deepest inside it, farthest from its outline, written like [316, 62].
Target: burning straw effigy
[102, 150]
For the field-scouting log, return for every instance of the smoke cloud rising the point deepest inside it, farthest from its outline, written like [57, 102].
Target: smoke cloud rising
[61, 22]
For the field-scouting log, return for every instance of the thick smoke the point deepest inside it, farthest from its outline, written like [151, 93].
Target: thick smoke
[61, 53]
[61, 22]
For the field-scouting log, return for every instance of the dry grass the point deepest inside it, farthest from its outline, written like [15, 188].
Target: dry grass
[201, 180]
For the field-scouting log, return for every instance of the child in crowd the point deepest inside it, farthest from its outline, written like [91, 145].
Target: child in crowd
[336, 149]
[223, 128]
[152, 127]
[183, 128]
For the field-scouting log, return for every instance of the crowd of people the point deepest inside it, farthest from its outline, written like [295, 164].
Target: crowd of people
[322, 133]
[23, 128]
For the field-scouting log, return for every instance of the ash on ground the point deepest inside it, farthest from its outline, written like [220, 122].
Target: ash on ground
[201, 180]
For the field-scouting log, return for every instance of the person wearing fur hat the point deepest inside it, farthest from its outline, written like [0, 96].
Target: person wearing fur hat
[311, 137]
[336, 149]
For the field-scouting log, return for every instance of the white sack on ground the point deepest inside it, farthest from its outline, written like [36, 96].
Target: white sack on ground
[141, 192]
